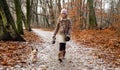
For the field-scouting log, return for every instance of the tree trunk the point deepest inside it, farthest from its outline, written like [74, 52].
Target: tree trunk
[51, 12]
[19, 16]
[59, 6]
[10, 22]
[36, 9]
[4, 34]
[92, 17]
[28, 7]
[24, 20]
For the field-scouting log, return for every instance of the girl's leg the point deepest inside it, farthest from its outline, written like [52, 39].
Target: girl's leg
[62, 47]
[64, 50]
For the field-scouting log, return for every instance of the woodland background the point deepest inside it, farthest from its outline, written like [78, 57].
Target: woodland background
[95, 23]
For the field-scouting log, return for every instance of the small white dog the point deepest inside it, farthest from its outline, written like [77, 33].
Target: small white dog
[33, 56]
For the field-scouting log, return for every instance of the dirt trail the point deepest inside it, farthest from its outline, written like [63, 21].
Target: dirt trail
[77, 57]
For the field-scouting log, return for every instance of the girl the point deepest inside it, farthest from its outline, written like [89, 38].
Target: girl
[63, 29]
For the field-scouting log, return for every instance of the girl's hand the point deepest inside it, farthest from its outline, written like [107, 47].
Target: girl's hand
[53, 42]
[53, 37]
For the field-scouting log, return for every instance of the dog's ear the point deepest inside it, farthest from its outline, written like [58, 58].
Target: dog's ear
[32, 48]
[36, 49]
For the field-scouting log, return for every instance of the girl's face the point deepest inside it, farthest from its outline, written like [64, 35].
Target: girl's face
[63, 15]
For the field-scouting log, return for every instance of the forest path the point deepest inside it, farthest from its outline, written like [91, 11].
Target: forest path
[77, 57]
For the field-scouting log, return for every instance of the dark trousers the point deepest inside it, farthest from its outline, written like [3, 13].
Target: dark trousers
[62, 48]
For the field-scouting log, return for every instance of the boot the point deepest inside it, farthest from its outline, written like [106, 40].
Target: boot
[60, 56]
[64, 52]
